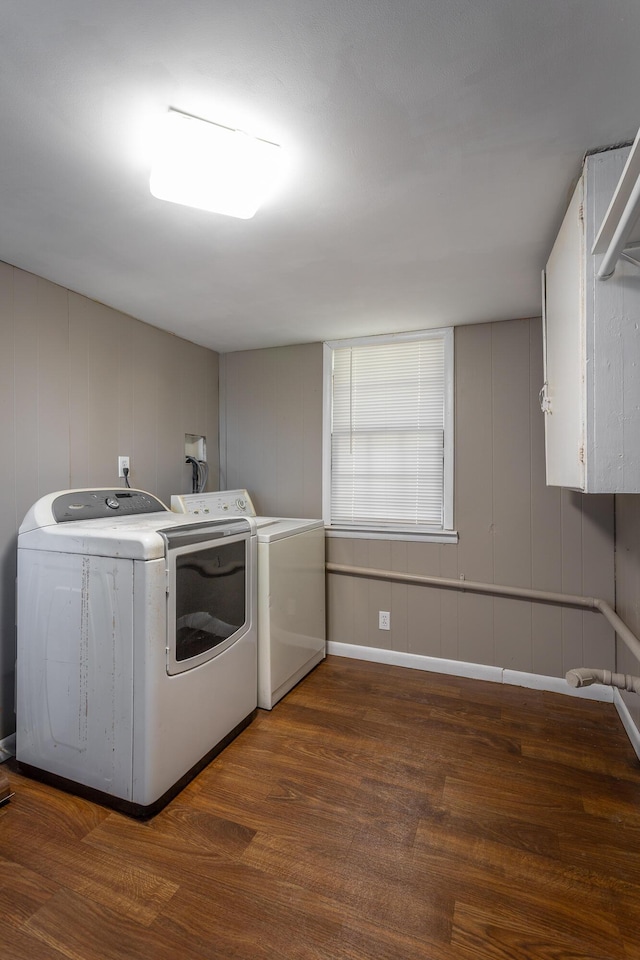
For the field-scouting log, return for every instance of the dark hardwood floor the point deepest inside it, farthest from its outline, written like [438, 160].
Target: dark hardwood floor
[377, 813]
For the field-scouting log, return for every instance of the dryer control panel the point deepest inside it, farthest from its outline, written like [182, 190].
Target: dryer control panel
[224, 503]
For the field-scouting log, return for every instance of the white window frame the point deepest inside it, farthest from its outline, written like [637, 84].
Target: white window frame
[373, 531]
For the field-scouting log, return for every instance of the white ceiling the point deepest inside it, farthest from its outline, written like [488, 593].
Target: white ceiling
[433, 144]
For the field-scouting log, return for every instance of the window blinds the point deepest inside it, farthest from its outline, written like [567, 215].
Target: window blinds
[387, 434]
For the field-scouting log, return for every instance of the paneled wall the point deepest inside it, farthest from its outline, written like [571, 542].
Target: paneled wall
[81, 384]
[271, 428]
[628, 586]
[512, 528]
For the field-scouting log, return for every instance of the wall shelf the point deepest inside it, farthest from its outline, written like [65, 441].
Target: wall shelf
[613, 237]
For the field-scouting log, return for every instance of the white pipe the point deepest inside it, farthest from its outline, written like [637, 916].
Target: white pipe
[519, 593]
[615, 248]
[620, 217]
[584, 677]
[473, 586]
[628, 638]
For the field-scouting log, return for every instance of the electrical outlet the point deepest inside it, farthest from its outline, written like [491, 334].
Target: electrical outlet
[123, 463]
[384, 620]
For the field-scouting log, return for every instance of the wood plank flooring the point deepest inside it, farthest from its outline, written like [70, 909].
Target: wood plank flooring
[377, 813]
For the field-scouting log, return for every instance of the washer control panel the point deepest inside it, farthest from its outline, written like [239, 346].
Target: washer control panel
[94, 504]
[224, 503]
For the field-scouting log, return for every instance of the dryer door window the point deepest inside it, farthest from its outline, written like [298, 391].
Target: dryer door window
[208, 605]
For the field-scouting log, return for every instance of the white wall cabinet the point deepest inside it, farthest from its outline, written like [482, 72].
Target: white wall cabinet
[591, 396]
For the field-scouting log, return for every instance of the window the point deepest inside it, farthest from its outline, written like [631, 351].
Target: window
[388, 436]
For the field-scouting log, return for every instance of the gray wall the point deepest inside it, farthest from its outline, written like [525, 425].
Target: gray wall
[81, 384]
[513, 529]
[628, 586]
[271, 428]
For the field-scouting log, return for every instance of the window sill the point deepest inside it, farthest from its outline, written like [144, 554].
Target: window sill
[363, 533]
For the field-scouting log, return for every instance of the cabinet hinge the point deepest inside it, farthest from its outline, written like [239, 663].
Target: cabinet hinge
[581, 213]
[581, 455]
[543, 397]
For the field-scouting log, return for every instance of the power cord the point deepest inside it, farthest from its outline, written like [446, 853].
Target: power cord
[125, 474]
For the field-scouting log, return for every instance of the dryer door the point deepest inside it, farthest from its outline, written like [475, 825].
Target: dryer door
[208, 591]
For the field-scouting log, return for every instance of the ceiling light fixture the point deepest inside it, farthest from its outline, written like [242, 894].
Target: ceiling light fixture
[213, 167]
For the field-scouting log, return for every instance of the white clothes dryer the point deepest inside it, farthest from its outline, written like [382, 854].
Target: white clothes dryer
[136, 644]
[291, 589]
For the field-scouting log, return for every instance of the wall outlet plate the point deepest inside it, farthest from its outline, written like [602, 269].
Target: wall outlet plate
[384, 620]
[123, 463]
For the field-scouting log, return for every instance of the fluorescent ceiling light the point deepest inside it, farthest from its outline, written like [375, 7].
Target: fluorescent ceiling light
[211, 167]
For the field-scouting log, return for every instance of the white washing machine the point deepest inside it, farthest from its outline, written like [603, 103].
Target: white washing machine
[136, 644]
[291, 589]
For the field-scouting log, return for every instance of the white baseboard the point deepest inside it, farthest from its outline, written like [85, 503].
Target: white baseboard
[536, 681]
[627, 721]
[476, 671]
[7, 747]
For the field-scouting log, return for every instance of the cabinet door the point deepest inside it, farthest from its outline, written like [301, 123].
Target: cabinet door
[565, 352]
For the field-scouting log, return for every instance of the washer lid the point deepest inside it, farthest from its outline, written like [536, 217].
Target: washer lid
[276, 528]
